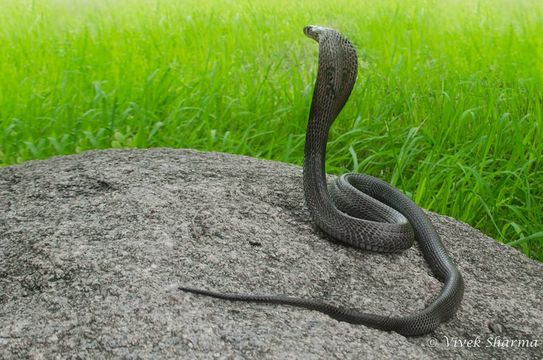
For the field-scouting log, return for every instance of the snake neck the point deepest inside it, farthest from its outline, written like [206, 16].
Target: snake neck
[335, 80]
[315, 188]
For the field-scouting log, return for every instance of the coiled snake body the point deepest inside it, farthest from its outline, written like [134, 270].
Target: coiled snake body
[358, 209]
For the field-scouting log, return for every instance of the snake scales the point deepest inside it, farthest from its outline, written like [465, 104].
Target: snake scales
[358, 209]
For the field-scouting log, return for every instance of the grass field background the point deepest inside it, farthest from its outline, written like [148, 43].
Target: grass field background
[448, 106]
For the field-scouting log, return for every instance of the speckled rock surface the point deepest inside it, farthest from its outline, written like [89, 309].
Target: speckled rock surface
[93, 247]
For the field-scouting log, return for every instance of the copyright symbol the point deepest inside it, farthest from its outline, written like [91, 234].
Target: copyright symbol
[432, 342]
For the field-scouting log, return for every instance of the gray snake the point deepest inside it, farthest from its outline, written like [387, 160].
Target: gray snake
[358, 209]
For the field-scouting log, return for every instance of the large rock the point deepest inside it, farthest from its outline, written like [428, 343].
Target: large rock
[93, 247]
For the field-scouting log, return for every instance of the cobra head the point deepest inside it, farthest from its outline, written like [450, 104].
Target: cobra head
[336, 73]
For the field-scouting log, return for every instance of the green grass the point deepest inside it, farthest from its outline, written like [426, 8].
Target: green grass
[448, 106]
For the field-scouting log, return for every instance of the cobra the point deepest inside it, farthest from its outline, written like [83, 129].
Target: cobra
[360, 210]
